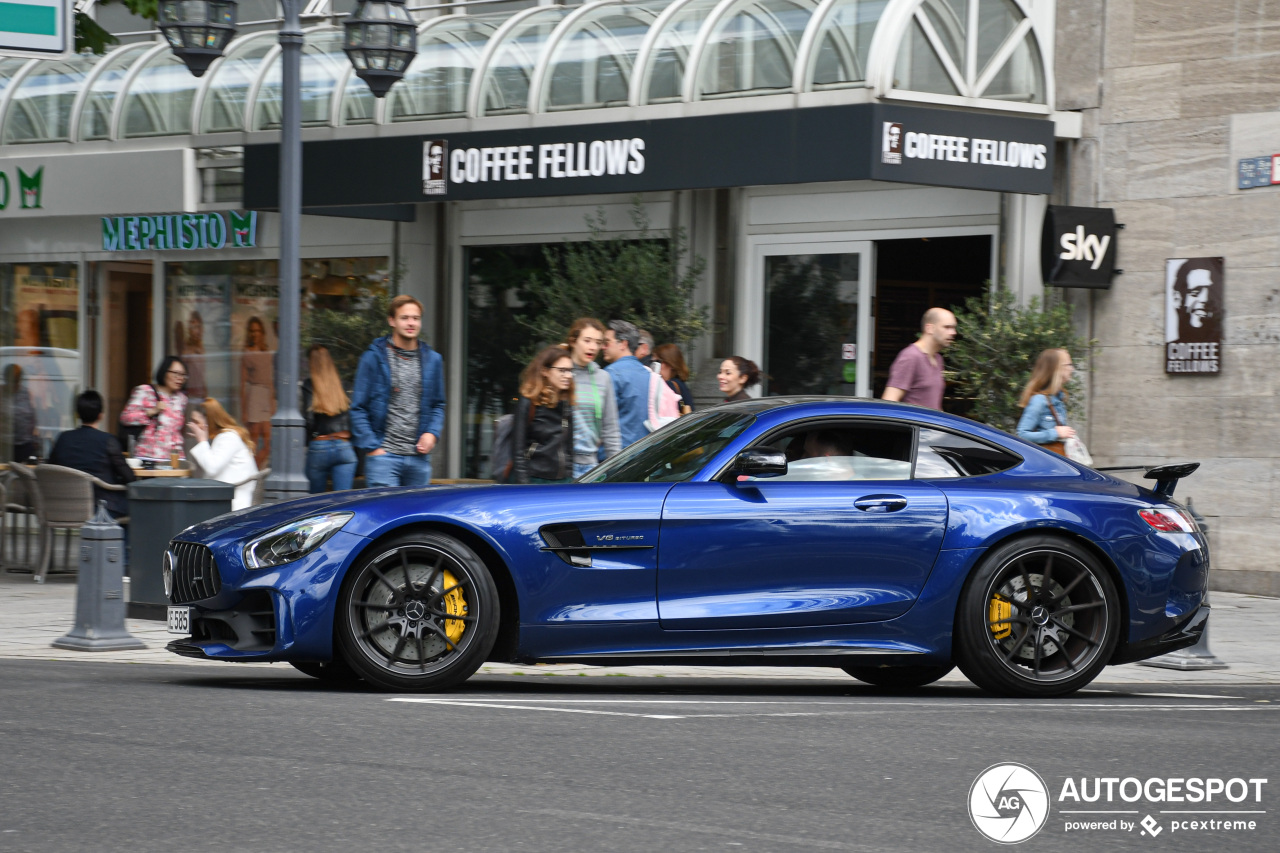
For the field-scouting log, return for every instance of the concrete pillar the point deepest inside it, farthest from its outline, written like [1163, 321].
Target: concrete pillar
[1023, 218]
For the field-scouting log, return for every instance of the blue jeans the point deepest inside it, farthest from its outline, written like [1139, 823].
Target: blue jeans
[331, 457]
[580, 468]
[390, 469]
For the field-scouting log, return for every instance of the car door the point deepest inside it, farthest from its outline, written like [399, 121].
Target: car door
[839, 539]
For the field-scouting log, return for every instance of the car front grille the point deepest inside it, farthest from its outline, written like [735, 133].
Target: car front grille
[195, 573]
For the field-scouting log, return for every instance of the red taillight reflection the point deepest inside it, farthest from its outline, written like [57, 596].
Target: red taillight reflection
[1163, 520]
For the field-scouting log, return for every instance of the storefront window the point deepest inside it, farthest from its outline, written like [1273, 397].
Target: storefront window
[497, 341]
[812, 330]
[223, 322]
[39, 356]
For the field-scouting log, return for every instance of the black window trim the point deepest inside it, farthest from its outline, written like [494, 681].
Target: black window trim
[914, 426]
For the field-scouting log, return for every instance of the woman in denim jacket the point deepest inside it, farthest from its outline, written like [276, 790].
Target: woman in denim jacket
[1044, 402]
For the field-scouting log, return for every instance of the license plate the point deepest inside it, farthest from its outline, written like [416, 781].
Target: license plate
[180, 620]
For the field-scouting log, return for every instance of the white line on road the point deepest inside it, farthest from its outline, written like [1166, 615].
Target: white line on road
[1162, 695]
[529, 708]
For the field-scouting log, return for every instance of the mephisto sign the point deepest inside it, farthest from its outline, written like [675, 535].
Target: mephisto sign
[885, 142]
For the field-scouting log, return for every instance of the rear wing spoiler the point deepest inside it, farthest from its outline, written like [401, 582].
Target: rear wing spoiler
[1166, 476]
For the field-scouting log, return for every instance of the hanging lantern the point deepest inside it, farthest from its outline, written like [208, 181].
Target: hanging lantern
[197, 30]
[380, 39]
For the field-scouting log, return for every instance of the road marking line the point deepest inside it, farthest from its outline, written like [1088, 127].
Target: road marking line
[529, 708]
[940, 704]
[697, 827]
[1163, 695]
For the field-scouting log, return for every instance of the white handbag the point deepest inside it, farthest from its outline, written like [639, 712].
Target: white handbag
[1076, 451]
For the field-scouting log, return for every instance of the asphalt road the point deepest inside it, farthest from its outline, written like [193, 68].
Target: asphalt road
[116, 757]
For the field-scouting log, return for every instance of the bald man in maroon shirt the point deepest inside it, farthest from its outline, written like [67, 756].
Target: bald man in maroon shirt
[916, 374]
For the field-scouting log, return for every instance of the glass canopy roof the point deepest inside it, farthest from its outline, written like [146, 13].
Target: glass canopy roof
[611, 53]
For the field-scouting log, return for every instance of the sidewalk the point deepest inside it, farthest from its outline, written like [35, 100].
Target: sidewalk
[32, 616]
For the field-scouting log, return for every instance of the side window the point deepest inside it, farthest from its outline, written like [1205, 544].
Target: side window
[835, 453]
[945, 454]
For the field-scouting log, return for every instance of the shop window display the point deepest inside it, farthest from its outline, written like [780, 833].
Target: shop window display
[39, 355]
[224, 322]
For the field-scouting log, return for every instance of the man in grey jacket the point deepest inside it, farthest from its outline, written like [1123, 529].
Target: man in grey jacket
[595, 416]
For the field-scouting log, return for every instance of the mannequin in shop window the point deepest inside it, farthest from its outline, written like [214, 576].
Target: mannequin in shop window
[257, 389]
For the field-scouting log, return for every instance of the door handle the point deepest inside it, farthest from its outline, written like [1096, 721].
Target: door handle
[881, 503]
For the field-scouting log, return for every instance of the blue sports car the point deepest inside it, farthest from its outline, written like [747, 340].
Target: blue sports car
[891, 541]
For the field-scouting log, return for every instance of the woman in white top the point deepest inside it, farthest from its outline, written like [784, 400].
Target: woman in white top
[229, 457]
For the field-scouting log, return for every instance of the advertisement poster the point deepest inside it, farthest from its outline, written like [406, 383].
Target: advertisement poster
[202, 331]
[46, 305]
[1193, 315]
[254, 334]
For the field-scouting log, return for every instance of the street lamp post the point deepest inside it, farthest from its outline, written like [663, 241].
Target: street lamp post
[381, 40]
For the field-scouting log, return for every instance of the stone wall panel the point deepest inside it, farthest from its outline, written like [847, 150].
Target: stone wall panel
[1143, 93]
[1176, 30]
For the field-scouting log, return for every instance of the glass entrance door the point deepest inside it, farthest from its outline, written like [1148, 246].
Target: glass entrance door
[817, 318]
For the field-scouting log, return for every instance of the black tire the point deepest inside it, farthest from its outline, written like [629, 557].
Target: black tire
[418, 613]
[335, 671]
[1039, 617]
[898, 677]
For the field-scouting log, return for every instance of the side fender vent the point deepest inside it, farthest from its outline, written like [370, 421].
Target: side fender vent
[566, 541]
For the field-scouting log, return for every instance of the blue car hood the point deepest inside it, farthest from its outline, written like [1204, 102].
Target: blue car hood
[262, 518]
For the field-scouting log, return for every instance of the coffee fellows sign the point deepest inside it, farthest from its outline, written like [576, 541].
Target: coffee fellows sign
[169, 231]
[1193, 315]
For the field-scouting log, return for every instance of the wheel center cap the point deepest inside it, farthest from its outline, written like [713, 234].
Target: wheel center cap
[1040, 615]
[415, 610]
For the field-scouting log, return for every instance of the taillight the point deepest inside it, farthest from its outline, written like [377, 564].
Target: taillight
[1167, 520]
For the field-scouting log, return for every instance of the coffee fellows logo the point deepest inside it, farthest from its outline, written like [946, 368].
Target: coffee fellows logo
[30, 189]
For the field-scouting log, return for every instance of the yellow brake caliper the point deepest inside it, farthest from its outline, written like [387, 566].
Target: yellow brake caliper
[1000, 613]
[455, 605]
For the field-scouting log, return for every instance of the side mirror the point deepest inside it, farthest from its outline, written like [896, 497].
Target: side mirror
[760, 462]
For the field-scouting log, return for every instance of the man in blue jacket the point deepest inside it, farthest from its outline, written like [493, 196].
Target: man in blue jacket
[397, 411]
[630, 379]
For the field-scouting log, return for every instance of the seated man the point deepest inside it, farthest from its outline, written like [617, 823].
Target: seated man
[95, 452]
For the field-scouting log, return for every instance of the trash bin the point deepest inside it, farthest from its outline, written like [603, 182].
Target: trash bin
[169, 506]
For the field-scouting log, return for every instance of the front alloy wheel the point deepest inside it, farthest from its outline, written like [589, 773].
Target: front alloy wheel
[420, 614]
[1040, 617]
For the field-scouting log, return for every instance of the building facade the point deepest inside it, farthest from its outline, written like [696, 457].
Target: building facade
[1173, 97]
[839, 166]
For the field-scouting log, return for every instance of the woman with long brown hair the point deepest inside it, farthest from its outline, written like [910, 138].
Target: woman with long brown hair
[1044, 402]
[328, 412]
[668, 360]
[228, 456]
[542, 428]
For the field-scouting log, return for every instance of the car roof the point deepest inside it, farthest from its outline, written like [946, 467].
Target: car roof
[868, 404]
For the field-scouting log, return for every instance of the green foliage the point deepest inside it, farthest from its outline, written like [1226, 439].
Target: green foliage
[92, 37]
[996, 346]
[348, 333]
[636, 278]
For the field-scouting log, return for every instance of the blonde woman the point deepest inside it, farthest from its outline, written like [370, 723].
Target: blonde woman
[228, 457]
[328, 412]
[1044, 402]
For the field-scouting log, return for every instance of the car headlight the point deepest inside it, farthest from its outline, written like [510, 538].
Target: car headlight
[293, 541]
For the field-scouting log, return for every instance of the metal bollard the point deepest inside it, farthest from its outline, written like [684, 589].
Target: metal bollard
[1198, 656]
[100, 590]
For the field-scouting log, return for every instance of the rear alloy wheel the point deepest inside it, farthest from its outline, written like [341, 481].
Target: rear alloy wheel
[1040, 617]
[898, 677]
[420, 613]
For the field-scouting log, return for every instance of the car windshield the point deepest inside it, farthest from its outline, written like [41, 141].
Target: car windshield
[672, 454]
